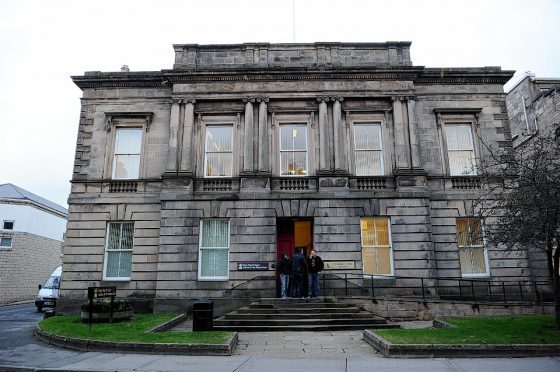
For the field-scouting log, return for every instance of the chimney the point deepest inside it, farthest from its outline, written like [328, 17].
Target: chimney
[125, 68]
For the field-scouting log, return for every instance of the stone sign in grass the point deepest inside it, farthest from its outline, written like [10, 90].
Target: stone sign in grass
[133, 335]
[474, 336]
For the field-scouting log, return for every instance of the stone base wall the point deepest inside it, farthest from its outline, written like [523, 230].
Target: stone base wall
[28, 263]
[399, 310]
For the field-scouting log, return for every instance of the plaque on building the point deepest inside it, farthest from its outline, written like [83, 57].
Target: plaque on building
[252, 266]
[339, 265]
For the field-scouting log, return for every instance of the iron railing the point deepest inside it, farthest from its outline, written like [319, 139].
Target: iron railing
[472, 290]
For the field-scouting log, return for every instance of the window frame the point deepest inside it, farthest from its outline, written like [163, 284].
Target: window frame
[201, 248]
[106, 255]
[8, 221]
[11, 242]
[114, 153]
[232, 141]
[381, 150]
[486, 274]
[391, 253]
[296, 123]
[453, 116]
[474, 161]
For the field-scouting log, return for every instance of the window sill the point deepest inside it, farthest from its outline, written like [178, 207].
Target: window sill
[116, 279]
[474, 276]
[213, 279]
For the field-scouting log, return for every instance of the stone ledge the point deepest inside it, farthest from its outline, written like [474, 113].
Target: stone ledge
[455, 351]
[169, 324]
[138, 347]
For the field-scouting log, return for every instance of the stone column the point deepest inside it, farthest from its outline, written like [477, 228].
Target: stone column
[187, 164]
[413, 132]
[263, 166]
[173, 135]
[248, 145]
[401, 151]
[324, 163]
[339, 142]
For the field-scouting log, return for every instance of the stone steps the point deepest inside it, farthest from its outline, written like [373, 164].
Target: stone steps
[299, 315]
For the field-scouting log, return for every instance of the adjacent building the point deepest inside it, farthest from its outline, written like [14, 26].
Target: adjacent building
[31, 240]
[534, 106]
[193, 180]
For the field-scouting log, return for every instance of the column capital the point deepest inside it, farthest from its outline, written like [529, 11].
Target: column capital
[398, 98]
[322, 99]
[261, 99]
[249, 99]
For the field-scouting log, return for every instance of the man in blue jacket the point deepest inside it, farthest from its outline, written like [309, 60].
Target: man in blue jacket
[299, 269]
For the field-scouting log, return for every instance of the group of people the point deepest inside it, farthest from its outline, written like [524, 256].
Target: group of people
[298, 270]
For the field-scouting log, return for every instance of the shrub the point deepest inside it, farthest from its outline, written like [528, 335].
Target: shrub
[103, 305]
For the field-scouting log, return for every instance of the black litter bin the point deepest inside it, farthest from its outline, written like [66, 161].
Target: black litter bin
[203, 316]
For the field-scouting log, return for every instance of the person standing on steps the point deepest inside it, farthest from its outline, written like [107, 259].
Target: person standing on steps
[284, 267]
[299, 268]
[315, 266]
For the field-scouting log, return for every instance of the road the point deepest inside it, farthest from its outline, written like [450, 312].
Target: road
[256, 352]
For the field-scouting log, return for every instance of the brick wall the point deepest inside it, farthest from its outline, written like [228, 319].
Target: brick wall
[28, 263]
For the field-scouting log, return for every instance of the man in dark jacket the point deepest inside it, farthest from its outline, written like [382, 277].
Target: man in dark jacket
[284, 268]
[299, 268]
[314, 265]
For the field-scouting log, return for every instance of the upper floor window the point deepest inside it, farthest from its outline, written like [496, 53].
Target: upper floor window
[377, 255]
[213, 261]
[460, 149]
[293, 150]
[368, 149]
[7, 225]
[128, 146]
[472, 254]
[118, 251]
[219, 151]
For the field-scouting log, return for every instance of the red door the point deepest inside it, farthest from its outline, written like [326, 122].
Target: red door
[284, 244]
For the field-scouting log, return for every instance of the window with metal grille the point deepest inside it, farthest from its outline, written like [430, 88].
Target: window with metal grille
[118, 251]
[213, 262]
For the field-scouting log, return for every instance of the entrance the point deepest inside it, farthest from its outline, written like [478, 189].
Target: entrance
[292, 233]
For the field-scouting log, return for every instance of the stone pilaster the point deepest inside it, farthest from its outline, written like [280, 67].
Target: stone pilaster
[413, 132]
[248, 166]
[172, 154]
[264, 163]
[324, 163]
[187, 163]
[340, 160]
[402, 154]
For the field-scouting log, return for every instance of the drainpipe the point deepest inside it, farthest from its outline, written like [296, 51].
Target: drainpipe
[525, 113]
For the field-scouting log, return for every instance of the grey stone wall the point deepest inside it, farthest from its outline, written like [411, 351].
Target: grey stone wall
[29, 262]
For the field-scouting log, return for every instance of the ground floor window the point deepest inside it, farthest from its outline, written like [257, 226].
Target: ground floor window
[377, 255]
[213, 262]
[118, 251]
[472, 254]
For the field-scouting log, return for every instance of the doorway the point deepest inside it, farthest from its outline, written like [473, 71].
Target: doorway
[292, 233]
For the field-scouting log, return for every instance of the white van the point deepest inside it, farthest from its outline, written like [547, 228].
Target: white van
[48, 292]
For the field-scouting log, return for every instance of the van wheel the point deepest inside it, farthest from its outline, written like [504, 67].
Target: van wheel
[39, 308]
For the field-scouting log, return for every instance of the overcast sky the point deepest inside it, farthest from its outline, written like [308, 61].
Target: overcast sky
[42, 43]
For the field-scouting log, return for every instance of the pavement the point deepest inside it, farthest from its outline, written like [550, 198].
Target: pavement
[343, 351]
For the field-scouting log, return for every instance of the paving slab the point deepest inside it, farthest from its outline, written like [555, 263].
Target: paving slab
[545, 364]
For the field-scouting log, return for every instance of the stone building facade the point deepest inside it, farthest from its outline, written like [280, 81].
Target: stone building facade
[31, 239]
[192, 180]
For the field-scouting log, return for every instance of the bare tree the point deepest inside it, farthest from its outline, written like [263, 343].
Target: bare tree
[520, 200]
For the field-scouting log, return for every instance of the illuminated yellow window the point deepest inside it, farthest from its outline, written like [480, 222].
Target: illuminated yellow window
[472, 254]
[377, 255]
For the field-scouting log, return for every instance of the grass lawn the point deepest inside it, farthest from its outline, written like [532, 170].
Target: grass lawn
[133, 330]
[529, 329]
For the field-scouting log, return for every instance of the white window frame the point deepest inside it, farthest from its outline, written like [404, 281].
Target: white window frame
[485, 253]
[218, 124]
[201, 248]
[472, 148]
[380, 150]
[391, 261]
[4, 224]
[106, 255]
[11, 242]
[280, 151]
[114, 163]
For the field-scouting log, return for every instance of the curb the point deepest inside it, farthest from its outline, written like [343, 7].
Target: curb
[138, 347]
[389, 349]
